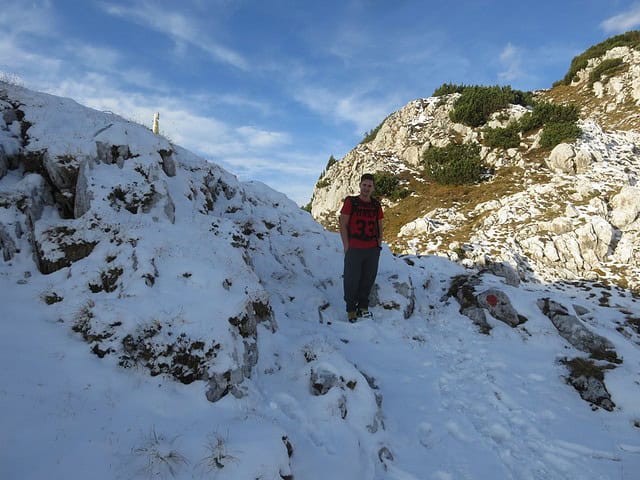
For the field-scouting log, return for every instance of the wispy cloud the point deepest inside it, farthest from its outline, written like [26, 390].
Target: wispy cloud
[259, 138]
[34, 18]
[363, 112]
[511, 59]
[624, 21]
[248, 151]
[182, 29]
[31, 68]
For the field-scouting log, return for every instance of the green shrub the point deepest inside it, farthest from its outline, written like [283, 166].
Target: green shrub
[448, 88]
[388, 185]
[545, 112]
[500, 137]
[307, 207]
[629, 39]
[476, 103]
[322, 182]
[608, 67]
[555, 133]
[455, 164]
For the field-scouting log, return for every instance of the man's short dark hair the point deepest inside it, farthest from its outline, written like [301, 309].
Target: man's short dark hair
[366, 176]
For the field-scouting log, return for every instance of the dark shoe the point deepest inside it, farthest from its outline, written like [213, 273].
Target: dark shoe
[364, 313]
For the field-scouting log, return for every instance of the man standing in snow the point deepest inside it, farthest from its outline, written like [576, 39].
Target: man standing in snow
[361, 232]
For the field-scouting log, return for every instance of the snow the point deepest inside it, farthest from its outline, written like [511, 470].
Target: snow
[423, 397]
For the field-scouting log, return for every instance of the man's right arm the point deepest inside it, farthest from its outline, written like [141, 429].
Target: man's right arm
[344, 230]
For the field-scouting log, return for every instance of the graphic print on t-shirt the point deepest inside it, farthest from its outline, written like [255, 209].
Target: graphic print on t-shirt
[363, 222]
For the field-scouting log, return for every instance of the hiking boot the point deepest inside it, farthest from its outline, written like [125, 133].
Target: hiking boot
[364, 313]
[352, 317]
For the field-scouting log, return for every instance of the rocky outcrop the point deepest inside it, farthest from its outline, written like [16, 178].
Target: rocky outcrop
[576, 333]
[476, 305]
[58, 246]
[398, 146]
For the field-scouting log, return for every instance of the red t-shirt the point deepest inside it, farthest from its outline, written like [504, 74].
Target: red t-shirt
[363, 222]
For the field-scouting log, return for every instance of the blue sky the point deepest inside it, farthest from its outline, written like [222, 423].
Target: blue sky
[270, 89]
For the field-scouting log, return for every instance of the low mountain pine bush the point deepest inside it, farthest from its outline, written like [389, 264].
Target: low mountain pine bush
[502, 137]
[628, 39]
[455, 164]
[477, 103]
[555, 133]
[388, 185]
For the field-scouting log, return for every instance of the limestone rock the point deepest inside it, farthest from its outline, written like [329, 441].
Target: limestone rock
[499, 306]
[575, 332]
[565, 159]
[625, 206]
[462, 288]
[593, 391]
[168, 163]
[83, 194]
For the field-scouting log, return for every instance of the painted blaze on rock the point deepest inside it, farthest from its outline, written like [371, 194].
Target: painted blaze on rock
[499, 306]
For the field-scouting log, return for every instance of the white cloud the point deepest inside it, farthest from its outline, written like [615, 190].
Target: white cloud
[17, 61]
[259, 138]
[34, 18]
[363, 113]
[623, 21]
[511, 59]
[181, 28]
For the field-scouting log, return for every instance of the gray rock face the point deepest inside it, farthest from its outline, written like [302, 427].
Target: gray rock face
[575, 332]
[4, 163]
[62, 171]
[7, 245]
[499, 306]
[83, 195]
[588, 379]
[463, 290]
[579, 250]
[168, 163]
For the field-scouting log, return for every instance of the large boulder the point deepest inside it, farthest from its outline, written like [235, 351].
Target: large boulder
[497, 303]
[475, 305]
[564, 158]
[625, 206]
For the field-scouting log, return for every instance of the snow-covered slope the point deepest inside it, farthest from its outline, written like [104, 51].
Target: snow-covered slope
[161, 319]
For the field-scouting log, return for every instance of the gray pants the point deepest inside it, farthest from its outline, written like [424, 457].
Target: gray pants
[360, 270]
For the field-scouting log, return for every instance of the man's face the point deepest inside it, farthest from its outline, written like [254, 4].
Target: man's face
[366, 187]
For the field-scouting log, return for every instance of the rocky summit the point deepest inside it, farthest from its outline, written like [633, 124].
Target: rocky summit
[571, 212]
